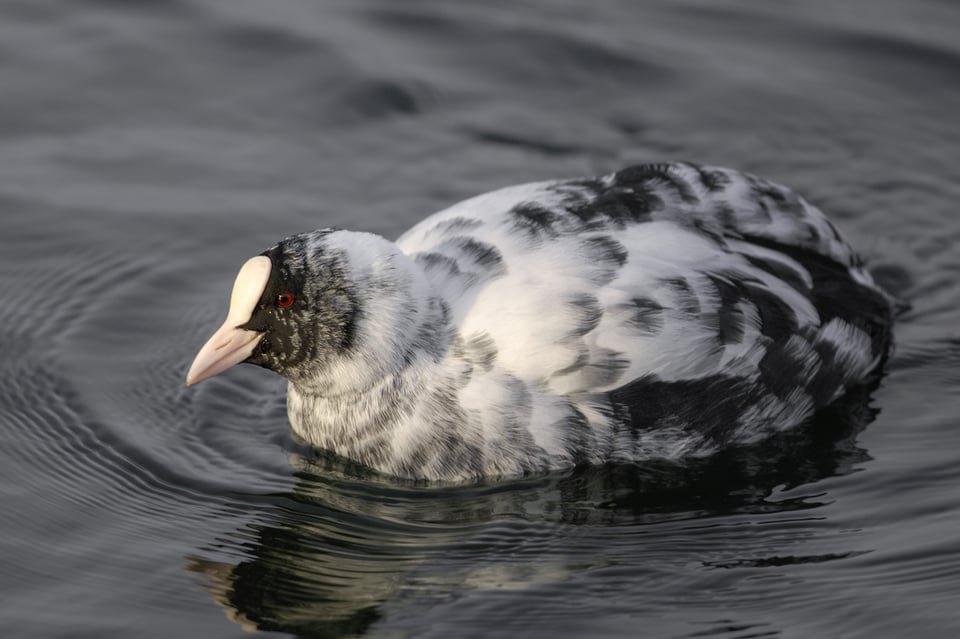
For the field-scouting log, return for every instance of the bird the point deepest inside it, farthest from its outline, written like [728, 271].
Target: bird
[661, 312]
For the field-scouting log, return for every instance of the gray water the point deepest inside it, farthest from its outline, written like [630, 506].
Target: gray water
[148, 148]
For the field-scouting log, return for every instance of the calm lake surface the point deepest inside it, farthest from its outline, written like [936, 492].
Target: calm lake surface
[148, 148]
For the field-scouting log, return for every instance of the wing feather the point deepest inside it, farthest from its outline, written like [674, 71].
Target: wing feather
[657, 275]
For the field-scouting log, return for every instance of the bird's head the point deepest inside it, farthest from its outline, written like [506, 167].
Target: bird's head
[292, 307]
[316, 305]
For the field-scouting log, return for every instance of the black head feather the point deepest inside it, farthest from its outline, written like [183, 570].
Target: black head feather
[301, 334]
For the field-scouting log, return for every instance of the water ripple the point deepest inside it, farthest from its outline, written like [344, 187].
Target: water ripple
[345, 549]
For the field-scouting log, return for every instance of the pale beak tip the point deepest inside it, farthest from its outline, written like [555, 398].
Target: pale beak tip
[192, 377]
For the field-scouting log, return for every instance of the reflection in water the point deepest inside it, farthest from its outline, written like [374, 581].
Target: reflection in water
[347, 548]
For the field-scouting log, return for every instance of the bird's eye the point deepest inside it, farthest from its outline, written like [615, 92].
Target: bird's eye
[284, 300]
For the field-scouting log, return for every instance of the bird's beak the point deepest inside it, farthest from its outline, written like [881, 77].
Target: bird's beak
[231, 344]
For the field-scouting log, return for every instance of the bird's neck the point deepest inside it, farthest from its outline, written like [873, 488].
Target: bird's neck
[362, 423]
[398, 317]
[401, 332]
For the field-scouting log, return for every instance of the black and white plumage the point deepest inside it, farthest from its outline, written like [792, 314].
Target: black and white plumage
[660, 312]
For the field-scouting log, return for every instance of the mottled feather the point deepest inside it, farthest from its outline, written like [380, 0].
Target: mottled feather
[662, 311]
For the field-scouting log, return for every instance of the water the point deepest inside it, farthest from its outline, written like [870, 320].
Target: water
[148, 148]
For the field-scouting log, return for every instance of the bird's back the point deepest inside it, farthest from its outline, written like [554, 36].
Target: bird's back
[695, 300]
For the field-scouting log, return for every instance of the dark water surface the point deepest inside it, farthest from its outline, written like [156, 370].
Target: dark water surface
[148, 148]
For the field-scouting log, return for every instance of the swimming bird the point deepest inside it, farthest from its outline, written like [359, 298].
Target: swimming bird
[661, 312]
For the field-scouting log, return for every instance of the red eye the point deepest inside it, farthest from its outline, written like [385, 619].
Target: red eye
[284, 300]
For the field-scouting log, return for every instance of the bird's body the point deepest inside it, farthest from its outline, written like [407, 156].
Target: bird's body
[663, 311]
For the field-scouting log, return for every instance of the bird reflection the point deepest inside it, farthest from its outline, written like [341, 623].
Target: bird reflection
[346, 547]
